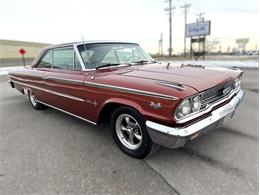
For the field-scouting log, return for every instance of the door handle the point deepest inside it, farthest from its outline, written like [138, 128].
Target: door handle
[45, 77]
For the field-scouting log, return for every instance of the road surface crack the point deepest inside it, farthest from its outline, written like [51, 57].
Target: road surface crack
[160, 175]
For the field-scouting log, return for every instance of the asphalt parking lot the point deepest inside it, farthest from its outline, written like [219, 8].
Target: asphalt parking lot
[49, 152]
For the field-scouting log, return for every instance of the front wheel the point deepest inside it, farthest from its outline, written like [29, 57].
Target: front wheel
[130, 134]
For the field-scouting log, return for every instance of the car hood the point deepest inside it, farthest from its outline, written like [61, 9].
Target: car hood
[197, 78]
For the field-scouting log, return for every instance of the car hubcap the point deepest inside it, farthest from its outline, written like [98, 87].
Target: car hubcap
[33, 99]
[129, 131]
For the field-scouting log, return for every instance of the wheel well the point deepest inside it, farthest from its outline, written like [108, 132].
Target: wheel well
[107, 110]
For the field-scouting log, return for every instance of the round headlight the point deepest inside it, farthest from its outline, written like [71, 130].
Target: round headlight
[196, 104]
[183, 109]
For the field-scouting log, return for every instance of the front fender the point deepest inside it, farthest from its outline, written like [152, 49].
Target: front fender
[143, 108]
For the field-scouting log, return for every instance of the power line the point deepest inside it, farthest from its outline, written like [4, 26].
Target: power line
[185, 7]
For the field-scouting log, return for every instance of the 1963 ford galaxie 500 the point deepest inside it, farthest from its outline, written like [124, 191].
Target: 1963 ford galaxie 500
[147, 103]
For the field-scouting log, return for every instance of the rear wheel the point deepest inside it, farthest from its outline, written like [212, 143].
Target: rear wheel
[36, 105]
[130, 134]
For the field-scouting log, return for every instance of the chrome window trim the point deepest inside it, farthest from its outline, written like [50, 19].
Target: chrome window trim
[83, 68]
[130, 90]
[51, 91]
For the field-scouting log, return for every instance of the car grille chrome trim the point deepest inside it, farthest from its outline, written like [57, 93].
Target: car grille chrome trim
[207, 109]
[130, 90]
[67, 112]
[212, 95]
[50, 91]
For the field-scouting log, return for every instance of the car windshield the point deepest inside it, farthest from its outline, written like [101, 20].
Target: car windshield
[110, 54]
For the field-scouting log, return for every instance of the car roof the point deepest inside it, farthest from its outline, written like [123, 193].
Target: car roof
[86, 42]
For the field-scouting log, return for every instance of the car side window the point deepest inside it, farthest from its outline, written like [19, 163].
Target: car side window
[46, 60]
[63, 58]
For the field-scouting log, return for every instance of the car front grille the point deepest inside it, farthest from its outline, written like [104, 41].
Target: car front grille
[214, 94]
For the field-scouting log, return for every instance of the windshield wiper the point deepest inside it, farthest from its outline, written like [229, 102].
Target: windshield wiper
[112, 64]
[106, 65]
[144, 62]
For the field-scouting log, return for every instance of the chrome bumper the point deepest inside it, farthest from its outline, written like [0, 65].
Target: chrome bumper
[174, 137]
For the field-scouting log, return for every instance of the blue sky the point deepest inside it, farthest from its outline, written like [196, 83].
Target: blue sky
[142, 21]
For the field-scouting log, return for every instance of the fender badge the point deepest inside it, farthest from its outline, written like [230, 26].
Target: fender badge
[155, 105]
[92, 102]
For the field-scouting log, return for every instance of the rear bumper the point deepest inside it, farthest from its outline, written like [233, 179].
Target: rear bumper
[174, 137]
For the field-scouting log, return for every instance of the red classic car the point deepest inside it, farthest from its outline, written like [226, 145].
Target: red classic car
[147, 103]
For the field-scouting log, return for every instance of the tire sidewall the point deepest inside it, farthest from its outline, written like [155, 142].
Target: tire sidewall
[37, 106]
[147, 144]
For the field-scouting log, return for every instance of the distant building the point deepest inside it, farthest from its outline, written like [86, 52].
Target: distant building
[9, 52]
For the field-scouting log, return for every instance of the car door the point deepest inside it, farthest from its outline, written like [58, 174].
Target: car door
[64, 83]
[35, 76]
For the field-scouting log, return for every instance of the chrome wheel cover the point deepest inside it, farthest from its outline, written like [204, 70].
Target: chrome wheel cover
[129, 131]
[33, 99]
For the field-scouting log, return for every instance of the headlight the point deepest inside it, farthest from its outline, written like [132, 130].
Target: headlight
[183, 109]
[188, 106]
[196, 104]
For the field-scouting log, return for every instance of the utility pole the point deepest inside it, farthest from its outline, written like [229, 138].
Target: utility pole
[169, 10]
[160, 49]
[161, 45]
[185, 6]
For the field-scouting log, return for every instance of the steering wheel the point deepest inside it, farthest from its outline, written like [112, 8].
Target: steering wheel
[134, 57]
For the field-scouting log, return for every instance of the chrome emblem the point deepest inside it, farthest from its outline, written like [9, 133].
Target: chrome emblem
[92, 102]
[227, 90]
[155, 105]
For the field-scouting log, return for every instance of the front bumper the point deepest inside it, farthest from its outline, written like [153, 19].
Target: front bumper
[174, 137]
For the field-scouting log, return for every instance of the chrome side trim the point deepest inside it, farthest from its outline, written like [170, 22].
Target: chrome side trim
[26, 80]
[129, 90]
[50, 91]
[17, 76]
[73, 81]
[195, 115]
[67, 112]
